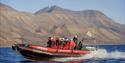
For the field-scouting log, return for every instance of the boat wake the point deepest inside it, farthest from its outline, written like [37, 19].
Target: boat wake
[97, 54]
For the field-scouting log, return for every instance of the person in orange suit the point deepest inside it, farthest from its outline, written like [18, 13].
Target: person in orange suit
[72, 44]
[61, 43]
[66, 44]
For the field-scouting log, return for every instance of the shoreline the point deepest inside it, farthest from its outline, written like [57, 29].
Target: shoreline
[7, 46]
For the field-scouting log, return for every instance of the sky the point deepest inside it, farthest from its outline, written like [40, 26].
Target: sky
[115, 9]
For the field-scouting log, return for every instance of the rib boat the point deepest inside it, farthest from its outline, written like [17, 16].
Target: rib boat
[37, 51]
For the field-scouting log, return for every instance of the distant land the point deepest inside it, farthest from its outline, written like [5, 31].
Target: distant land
[16, 26]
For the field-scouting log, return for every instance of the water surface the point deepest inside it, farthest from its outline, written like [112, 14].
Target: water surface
[104, 54]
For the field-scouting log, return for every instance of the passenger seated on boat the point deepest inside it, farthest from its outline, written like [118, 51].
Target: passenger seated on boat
[80, 45]
[50, 42]
[66, 44]
[70, 44]
[75, 39]
[61, 41]
[57, 41]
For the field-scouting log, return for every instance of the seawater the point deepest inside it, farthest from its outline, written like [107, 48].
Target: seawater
[104, 54]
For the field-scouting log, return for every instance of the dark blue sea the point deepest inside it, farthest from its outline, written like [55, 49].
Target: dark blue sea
[104, 54]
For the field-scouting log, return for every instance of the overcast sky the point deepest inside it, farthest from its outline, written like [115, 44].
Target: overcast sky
[114, 9]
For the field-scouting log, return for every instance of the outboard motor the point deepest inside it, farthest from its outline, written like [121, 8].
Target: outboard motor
[13, 47]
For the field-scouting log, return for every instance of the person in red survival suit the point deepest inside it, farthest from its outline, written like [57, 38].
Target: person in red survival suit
[72, 44]
[61, 41]
[67, 44]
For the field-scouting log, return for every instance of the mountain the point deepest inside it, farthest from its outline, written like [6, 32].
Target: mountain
[52, 9]
[55, 20]
[79, 22]
[13, 23]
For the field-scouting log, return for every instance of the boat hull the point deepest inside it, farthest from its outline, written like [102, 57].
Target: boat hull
[29, 52]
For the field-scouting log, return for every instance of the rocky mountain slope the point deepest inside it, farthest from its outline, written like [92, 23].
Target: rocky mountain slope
[57, 21]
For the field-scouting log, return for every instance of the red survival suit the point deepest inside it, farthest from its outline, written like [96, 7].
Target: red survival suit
[70, 45]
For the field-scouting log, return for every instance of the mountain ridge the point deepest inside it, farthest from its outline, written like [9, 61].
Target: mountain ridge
[54, 20]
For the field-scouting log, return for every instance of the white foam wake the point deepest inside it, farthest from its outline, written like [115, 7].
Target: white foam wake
[97, 54]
